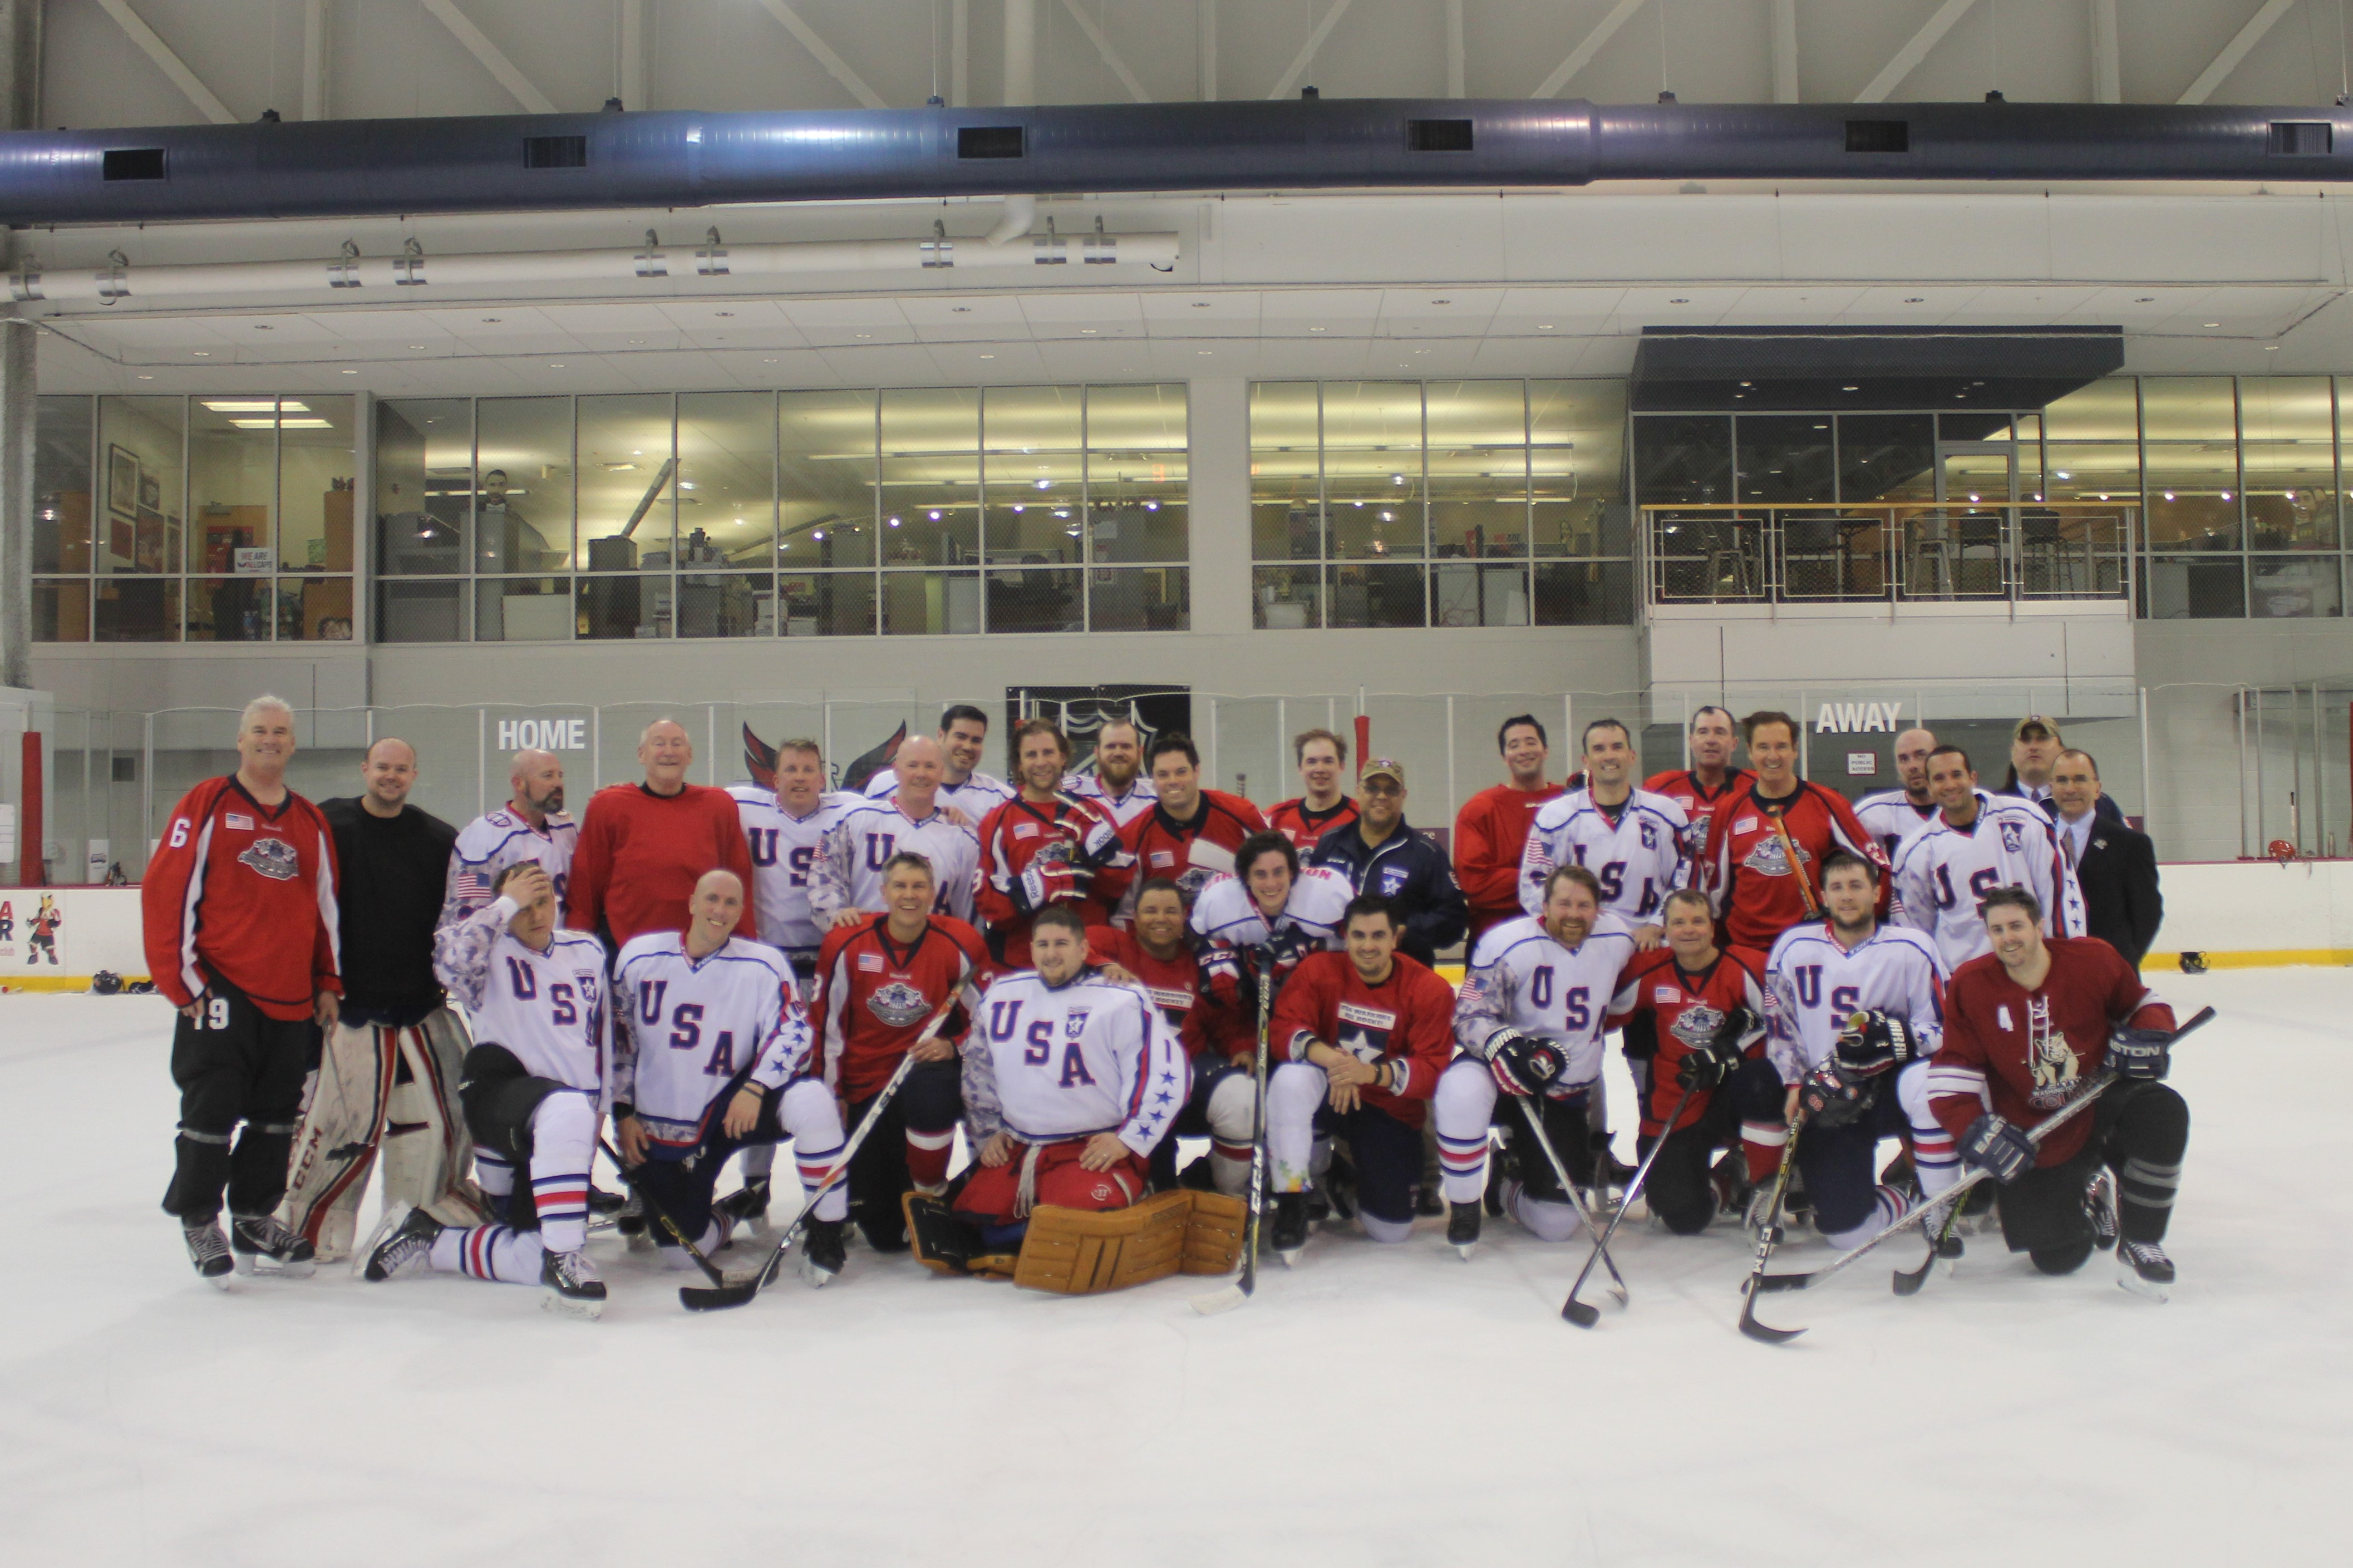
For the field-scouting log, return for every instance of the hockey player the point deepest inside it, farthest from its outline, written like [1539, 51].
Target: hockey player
[1323, 759]
[1043, 847]
[847, 887]
[1262, 917]
[1710, 780]
[1631, 839]
[1190, 835]
[529, 826]
[1383, 854]
[960, 787]
[1157, 953]
[1529, 1019]
[1117, 787]
[538, 1083]
[2032, 1024]
[1363, 1036]
[880, 978]
[1696, 1012]
[721, 1057]
[1978, 843]
[1767, 841]
[1491, 828]
[388, 1070]
[1894, 817]
[644, 845]
[237, 909]
[1855, 1008]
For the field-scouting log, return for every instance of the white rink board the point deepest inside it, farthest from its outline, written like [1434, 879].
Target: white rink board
[1372, 1407]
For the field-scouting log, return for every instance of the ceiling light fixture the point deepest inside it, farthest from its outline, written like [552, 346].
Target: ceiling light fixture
[1086, 332]
[284, 424]
[254, 405]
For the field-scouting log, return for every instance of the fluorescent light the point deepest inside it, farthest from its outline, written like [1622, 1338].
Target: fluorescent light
[254, 405]
[284, 424]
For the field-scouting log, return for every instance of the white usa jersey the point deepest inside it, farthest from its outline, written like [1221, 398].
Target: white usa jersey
[979, 794]
[852, 852]
[1892, 818]
[496, 840]
[694, 1026]
[1813, 984]
[1639, 859]
[1519, 977]
[1049, 1063]
[1121, 809]
[783, 863]
[1943, 874]
[547, 1006]
[1311, 918]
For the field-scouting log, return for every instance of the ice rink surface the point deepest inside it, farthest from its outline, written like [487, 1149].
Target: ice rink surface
[1373, 1405]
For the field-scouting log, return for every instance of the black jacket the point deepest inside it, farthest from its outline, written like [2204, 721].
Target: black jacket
[2104, 808]
[2121, 901]
[391, 877]
[1409, 870]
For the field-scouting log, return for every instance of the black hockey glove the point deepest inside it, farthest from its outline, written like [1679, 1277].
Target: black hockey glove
[1707, 1069]
[1834, 1096]
[1523, 1064]
[1873, 1042]
[1999, 1147]
[1733, 1034]
[2145, 1054]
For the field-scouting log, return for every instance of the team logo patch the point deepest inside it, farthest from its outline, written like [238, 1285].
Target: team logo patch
[2002, 1015]
[2053, 1061]
[897, 1003]
[1102, 1193]
[1769, 858]
[1075, 1024]
[1649, 835]
[273, 857]
[2012, 837]
[1392, 879]
[239, 820]
[1192, 879]
[1697, 1026]
[1372, 1017]
[587, 981]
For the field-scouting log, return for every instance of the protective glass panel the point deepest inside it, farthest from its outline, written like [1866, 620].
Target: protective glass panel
[1373, 469]
[141, 500]
[826, 603]
[2104, 411]
[627, 482]
[1886, 456]
[1682, 458]
[726, 479]
[2291, 495]
[1478, 463]
[2193, 495]
[524, 609]
[314, 609]
[1286, 516]
[1576, 467]
[232, 490]
[825, 479]
[2293, 586]
[61, 509]
[1286, 598]
[931, 477]
[1140, 599]
[318, 439]
[424, 485]
[2188, 408]
[940, 603]
[1786, 457]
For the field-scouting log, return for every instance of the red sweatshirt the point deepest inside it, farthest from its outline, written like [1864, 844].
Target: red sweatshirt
[1408, 1017]
[1490, 831]
[640, 854]
[247, 893]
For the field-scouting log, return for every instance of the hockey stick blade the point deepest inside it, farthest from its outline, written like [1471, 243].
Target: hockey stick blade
[1536, 1135]
[1575, 1311]
[1216, 1301]
[1764, 1334]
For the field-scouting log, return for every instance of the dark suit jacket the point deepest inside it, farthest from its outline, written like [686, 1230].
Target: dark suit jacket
[2118, 873]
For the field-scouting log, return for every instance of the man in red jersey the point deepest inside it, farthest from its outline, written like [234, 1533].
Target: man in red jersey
[2028, 1028]
[1190, 834]
[239, 917]
[1157, 950]
[1323, 759]
[1768, 838]
[1491, 828]
[1709, 779]
[1043, 847]
[643, 847]
[879, 980]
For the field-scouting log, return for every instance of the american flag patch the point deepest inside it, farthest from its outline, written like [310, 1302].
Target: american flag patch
[472, 885]
[871, 962]
[240, 820]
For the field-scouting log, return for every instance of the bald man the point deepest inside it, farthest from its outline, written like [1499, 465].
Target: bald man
[643, 846]
[531, 826]
[388, 1077]
[1897, 816]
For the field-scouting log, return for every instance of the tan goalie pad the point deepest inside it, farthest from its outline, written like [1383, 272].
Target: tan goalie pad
[1079, 1252]
[1213, 1237]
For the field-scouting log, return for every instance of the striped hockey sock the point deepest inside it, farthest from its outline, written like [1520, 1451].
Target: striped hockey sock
[488, 1252]
[1761, 1142]
[1462, 1167]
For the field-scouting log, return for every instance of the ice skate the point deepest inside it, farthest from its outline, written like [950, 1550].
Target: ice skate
[573, 1286]
[1463, 1222]
[746, 1210]
[822, 1251]
[2100, 1208]
[2143, 1268]
[208, 1251]
[1289, 1227]
[403, 1243]
[263, 1247]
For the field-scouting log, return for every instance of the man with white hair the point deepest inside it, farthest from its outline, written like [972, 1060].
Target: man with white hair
[530, 826]
[238, 911]
[643, 847]
[854, 856]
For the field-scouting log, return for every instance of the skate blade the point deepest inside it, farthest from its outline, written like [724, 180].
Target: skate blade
[393, 1219]
[1218, 1301]
[642, 1240]
[587, 1312]
[1467, 1250]
[261, 1268]
[1291, 1259]
[816, 1278]
[218, 1281]
[2132, 1284]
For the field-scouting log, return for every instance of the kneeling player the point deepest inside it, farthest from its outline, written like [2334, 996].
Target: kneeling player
[1529, 1019]
[716, 1022]
[1700, 1008]
[1363, 1036]
[534, 1093]
[2030, 1025]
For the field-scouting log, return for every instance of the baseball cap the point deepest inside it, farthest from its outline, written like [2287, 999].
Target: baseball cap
[1383, 765]
[2033, 721]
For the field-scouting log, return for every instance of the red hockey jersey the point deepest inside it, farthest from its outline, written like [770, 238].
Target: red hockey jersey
[1756, 892]
[640, 854]
[1303, 828]
[873, 994]
[1490, 832]
[1175, 987]
[1408, 1017]
[1699, 803]
[246, 892]
[2022, 1055]
[1158, 845]
[1681, 1011]
[1078, 834]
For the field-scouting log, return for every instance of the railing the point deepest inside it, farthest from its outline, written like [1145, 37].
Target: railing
[1914, 550]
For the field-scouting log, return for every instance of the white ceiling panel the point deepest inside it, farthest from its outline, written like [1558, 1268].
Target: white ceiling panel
[1189, 314]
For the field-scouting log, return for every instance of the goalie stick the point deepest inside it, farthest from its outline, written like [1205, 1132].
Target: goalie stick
[1577, 1199]
[1234, 1295]
[1583, 1314]
[735, 1293]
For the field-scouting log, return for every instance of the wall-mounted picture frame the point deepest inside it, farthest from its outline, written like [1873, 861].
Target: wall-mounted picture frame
[151, 491]
[121, 481]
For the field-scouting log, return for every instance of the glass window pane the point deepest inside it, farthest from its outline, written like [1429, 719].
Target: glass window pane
[314, 608]
[1785, 458]
[726, 479]
[233, 489]
[1684, 458]
[424, 487]
[2091, 473]
[524, 609]
[930, 478]
[825, 479]
[61, 610]
[2103, 411]
[627, 470]
[1286, 517]
[2286, 408]
[1372, 469]
[523, 499]
[141, 498]
[317, 440]
[229, 609]
[2297, 585]
[2187, 587]
[1478, 463]
[1886, 458]
[1036, 474]
[2193, 495]
[1462, 594]
[622, 607]
[1286, 598]
[1576, 467]
[727, 604]
[1025, 599]
[916, 603]
[1377, 595]
[1585, 594]
[139, 610]
[1138, 464]
[2188, 408]
[827, 603]
[420, 612]
[1024, 419]
[61, 487]
[1144, 599]
[2291, 495]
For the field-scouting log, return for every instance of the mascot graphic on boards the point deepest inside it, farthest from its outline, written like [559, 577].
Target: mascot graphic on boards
[44, 935]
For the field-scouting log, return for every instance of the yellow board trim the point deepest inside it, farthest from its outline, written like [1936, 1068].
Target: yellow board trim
[2271, 958]
[54, 982]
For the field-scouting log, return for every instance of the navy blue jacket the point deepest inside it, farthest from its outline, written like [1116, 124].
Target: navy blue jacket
[1412, 872]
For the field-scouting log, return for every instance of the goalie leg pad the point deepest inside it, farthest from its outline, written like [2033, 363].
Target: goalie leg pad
[946, 1242]
[335, 1147]
[1214, 1233]
[1080, 1252]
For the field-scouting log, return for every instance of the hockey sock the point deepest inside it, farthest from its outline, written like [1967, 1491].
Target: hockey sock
[494, 1173]
[758, 1161]
[814, 1163]
[1293, 1095]
[806, 1112]
[1231, 1106]
[1761, 1142]
[2144, 1191]
[1546, 1221]
[564, 1137]
[674, 1257]
[1390, 1230]
[1934, 1160]
[1463, 1162]
[927, 1158]
[488, 1252]
[1886, 1204]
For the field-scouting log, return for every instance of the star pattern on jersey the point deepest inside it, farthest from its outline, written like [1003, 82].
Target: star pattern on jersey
[1361, 1045]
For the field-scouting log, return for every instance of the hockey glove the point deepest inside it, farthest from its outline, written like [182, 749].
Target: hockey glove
[1706, 1069]
[1733, 1035]
[2144, 1054]
[1873, 1042]
[1999, 1147]
[1833, 1096]
[1523, 1064]
[1046, 882]
[1227, 981]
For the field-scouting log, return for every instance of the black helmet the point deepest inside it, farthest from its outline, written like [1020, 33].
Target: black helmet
[105, 982]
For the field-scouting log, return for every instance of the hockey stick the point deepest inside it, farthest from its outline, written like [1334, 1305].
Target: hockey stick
[1797, 863]
[1578, 1312]
[735, 1293]
[1536, 1128]
[662, 1216]
[1768, 1237]
[1234, 1295]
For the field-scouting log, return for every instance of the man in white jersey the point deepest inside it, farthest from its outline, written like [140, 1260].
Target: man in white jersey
[913, 819]
[537, 1085]
[1529, 1019]
[1849, 1004]
[963, 787]
[1264, 915]
[1631, 839]
[722, 1059]
[529, 826]
[1896, 817]
[1978, 843]
[1118, 786]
